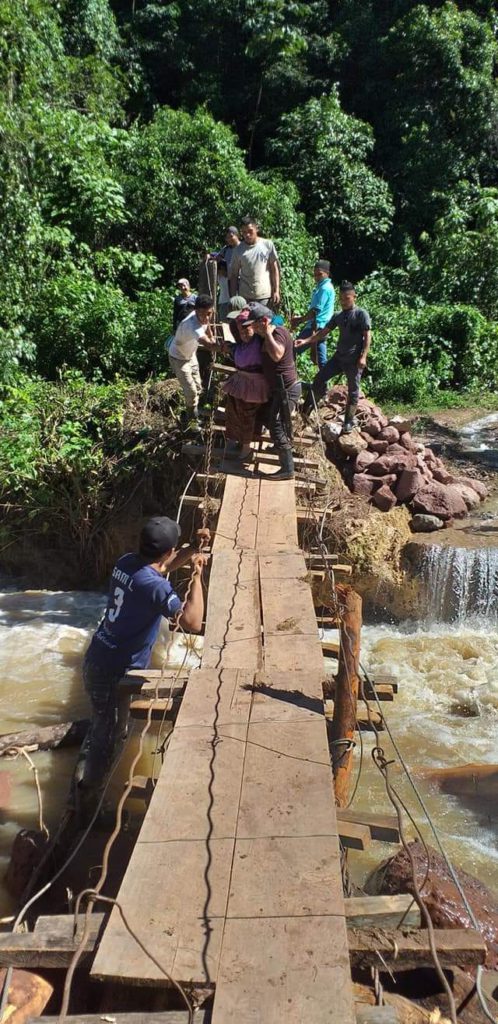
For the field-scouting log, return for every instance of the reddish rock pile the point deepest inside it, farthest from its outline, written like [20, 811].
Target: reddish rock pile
[384, 463]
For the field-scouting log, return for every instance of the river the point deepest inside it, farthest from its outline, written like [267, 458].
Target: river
[445, 713]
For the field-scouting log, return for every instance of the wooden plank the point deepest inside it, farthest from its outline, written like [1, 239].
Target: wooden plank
[232, 635]
[320, 574]
[51, 945]
[153, 1017]
[403, 949]
[216, 696]
[353, 836]
[287, 783]
[383, 827]
[279, 697]
[161, 708]
[198, 790]
[287, 607]
[293, 653]
[147, 684]
[174, 895]
[284, 969]
[238, 519]
[382, 911]
[264, 439]
[286, 877]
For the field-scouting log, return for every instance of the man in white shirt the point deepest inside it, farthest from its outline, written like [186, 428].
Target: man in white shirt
[254, 270]
[193, 331]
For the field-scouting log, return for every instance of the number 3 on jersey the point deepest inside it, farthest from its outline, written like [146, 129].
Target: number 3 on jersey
[118, 604]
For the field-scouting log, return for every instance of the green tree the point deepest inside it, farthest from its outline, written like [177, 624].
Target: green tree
[185, 180]
[325, 152]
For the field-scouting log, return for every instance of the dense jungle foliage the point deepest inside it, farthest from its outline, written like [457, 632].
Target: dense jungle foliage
[133, 132]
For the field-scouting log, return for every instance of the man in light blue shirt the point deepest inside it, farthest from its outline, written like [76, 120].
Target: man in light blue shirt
[320, 311]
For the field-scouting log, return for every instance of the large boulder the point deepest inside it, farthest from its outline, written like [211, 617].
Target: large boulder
[410, 481]
[477, 485]
[379, 447]
[372, 427]
[364, 460]
[389, 434]
[440, 894]
[442, 476]
[363, 484]
[352, 444]
[407, 441]
[437, 500]
[331, 431]
[469, 495]
[384, 499]
[393, 463]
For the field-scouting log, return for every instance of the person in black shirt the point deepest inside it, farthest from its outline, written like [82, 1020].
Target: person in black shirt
[350, 356]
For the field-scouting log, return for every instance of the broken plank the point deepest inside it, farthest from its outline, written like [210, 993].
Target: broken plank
[383, 827]
[405, 949]
[353, 836]
[142, 788]
[381, 911]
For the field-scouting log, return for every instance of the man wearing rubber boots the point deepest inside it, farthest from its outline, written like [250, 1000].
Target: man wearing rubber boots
[279, 369]
[350, 356]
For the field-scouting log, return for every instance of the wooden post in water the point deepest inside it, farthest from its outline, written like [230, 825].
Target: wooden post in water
[346, 690]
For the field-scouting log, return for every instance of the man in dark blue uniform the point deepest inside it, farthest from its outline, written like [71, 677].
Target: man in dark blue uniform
[350, 356]
[139, 597]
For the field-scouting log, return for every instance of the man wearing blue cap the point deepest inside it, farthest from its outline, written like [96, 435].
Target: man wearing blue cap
[139, 597]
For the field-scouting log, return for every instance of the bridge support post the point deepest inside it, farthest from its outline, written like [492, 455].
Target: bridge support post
[346, 692]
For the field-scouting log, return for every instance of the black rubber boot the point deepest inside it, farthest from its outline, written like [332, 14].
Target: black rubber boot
[286, 471]
[349, 418]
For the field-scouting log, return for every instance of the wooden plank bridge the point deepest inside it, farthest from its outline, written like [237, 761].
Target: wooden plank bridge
[235, 880]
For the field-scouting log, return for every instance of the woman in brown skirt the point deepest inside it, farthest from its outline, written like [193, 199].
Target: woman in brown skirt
[246, 392]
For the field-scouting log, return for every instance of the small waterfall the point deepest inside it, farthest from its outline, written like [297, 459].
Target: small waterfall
[460, 584]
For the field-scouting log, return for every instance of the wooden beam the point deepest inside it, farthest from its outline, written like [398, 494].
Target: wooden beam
[382, 911]
[353, 836]
[361, 715]
[46, 737]
[156, 1017]
[162, 708]
[383, 827]
[189, 448]
[319, 574]
[145, 682]
[405, 949]
[331, 648]
[51, 944]
[222, 368]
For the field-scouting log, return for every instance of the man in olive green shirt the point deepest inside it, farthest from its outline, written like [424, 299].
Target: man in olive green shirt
[254, 268]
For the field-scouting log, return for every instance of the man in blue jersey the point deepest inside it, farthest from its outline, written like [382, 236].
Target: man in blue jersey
[139, 597]
[320, 311]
